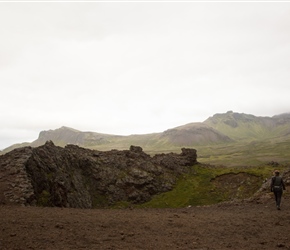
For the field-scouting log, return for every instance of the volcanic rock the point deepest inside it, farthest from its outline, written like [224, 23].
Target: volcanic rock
[72, 176]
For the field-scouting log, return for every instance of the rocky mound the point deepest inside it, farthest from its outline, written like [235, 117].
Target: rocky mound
[82, 178]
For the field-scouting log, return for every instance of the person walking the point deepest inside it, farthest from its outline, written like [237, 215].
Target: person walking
[277, 186]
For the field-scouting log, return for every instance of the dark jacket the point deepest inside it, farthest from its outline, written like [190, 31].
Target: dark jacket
[277, 183]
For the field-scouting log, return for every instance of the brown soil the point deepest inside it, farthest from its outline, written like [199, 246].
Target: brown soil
[224, 226]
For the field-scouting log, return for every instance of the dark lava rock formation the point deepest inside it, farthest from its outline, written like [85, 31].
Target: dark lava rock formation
[82, 178]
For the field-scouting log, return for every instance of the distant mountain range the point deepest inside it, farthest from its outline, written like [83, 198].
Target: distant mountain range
[219, 129]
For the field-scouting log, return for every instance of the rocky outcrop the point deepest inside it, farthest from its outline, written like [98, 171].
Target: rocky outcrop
[77, 177]
[15, 186]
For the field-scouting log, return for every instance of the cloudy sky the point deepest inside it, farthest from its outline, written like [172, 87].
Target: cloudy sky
[139, 67]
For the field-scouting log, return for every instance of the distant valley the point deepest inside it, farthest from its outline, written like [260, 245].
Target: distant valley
[229, 138]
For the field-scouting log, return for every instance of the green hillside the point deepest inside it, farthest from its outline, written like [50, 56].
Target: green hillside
[249, 127]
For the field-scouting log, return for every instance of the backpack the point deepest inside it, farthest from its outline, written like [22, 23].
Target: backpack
[277, 183]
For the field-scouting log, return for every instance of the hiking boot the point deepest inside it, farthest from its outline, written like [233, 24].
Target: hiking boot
[278, 207]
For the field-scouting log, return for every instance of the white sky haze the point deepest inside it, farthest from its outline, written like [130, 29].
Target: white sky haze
[139, 67]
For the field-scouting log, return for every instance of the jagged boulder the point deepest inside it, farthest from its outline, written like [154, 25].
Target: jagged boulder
[77, 177]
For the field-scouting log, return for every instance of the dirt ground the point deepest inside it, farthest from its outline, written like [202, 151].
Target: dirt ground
[223, 226]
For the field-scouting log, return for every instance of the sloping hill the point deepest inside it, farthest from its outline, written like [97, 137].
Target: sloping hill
[194, 134]
[239, 126]
[218, 129]
[65, 135]
[188, 135]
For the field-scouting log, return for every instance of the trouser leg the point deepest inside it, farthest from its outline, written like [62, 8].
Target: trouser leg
[276, 197]
[278, 200]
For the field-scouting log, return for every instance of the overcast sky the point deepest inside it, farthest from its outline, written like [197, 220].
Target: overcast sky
[139, 67]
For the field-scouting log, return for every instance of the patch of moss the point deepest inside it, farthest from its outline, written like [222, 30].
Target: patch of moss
[193, 188]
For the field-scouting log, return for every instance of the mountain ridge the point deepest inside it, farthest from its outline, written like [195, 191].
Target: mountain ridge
[244, 126]
[221, 128]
